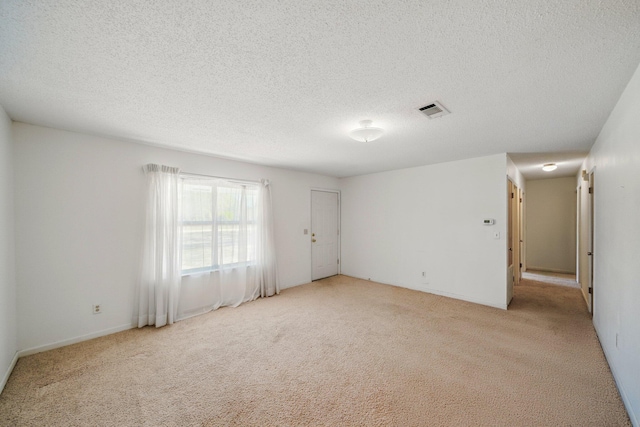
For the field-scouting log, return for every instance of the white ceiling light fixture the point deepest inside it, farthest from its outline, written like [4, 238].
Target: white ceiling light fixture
[549, 167]
[366, 133]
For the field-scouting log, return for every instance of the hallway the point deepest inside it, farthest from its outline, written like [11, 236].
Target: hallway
[552, 278]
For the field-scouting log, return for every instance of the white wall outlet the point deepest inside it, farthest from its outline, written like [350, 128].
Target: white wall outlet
[97, 309]
[496, 235]
[423, 277]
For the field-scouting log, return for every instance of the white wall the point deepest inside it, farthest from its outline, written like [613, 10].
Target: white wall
[616, 159]
[8, 313]
[551, 225]
[397, 224]
[514, 174]
[79, 218]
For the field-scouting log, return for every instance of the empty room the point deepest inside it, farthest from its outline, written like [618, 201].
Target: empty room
[291, 213]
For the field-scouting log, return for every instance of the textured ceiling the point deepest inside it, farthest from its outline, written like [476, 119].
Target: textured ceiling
[282, 83]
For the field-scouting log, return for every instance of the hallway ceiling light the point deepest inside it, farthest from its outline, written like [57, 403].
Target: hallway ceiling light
[549, 167]
[366, 133]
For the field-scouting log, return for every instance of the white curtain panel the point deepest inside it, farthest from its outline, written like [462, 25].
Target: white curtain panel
[227, 231]
[267, 268]
[159, 286]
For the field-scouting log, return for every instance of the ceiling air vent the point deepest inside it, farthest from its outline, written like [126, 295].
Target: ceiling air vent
[434, 110]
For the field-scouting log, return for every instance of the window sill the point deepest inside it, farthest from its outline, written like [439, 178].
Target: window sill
[216, 270]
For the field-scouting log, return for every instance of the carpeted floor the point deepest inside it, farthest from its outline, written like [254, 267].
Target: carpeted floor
[340, 351]
[561, 279]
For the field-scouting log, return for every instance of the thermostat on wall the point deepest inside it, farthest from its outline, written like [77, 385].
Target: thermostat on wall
[489, 221]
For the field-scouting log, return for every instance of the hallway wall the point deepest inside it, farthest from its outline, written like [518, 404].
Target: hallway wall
[615, 157]
[8, 285]
[551, 225]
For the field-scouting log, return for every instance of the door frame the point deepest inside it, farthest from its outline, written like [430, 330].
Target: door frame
[514, 236]
[585, 242]
[521, 219]
[517, 217]
[591, 239]
[325, 190]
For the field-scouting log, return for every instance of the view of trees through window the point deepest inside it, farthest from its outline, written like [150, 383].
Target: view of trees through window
[219, 221]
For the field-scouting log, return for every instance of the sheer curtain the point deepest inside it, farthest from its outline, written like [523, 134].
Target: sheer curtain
[159, 285]
[266, 266]
[228, 247]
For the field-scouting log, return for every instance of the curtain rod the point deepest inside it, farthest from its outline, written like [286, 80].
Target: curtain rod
[216, 177]
[241, 181]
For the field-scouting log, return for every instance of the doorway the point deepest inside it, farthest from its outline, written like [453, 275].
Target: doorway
[517, 234]
[591, 240]
[325, 234]
[586, 239]
[514, 237]
[521, 248]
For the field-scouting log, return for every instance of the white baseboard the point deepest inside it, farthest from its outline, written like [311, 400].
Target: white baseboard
[461, 297]
[6, 375]
[74, 340]
[294, 285]
[424, 288]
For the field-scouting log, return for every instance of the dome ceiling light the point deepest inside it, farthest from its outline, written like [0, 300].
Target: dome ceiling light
[366, 133]
[549, 167]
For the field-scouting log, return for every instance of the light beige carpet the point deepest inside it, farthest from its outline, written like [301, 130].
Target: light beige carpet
[561, 279]
[336, 352]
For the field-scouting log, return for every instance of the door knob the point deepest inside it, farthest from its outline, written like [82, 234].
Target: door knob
[313, 234]
[313, 240]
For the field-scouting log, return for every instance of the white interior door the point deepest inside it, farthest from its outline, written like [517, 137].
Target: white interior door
[325, 234]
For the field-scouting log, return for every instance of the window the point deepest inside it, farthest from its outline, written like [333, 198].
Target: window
[219, 224]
